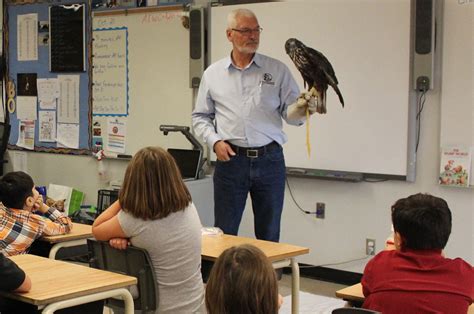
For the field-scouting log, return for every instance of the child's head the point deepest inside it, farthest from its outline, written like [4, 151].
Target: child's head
[152, 186]
[422, 221]
[242, 281]
[17, 190]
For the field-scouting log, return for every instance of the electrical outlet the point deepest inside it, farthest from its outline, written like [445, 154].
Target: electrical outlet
[370, 246]
[320, 210]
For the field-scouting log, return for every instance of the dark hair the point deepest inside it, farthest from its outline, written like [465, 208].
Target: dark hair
[152, 186]
[242, 281]
[15, 188]
[423, 221]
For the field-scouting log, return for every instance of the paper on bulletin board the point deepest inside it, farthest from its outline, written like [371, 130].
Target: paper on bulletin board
[27, 34]
[26, 134]
[47, 126]
[26, 107]
[110, 72]
[68, 104]
[48, 92]
[2, 115]
[116, 134]
[68, 135]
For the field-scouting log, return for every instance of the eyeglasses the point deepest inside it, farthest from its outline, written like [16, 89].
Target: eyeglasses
[248, 31]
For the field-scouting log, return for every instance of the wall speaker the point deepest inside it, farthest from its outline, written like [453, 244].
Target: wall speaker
[425, 44]
[196, 46]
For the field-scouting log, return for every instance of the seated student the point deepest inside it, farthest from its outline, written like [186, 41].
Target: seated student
[155, 212]
[416, 277]
[13, 277]
[19, 225]
[242, 280]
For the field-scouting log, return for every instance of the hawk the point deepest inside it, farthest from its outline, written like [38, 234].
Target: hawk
[316, 70]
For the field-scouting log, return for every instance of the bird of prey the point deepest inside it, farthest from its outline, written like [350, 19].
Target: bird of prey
[316, 70]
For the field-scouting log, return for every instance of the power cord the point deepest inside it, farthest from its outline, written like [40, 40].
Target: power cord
[294, 201]
[338, 263]
[420, 104]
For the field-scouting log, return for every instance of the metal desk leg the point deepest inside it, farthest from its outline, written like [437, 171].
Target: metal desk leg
[56, 247]
[122, 293]
[295, 286]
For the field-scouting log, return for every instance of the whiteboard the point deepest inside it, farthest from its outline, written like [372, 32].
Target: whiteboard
[368, 44]
[141, 76]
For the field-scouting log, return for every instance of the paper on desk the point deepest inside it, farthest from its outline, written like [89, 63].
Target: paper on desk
[68, 104]
[26, 134]
[68, 135]
[48, 92]
[26, 107]
[27, 34]
[47, 126]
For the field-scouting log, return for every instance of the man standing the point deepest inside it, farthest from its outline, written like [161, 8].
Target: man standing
[241, 102]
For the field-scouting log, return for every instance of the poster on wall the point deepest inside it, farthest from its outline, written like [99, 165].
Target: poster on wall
[110, 72]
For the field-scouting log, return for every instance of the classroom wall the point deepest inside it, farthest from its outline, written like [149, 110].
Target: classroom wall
[354, 211]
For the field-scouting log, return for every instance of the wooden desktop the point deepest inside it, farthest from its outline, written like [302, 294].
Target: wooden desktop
[280, 254]
[78, 236]
[57, 284]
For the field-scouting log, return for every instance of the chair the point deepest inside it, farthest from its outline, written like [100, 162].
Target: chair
[132, 261]
[105, 198]
[353, 310]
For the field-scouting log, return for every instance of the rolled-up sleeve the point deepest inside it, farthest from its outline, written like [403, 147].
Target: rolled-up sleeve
[289, 93]
[55, 223]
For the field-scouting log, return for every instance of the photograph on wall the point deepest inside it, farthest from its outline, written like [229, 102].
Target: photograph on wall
[26, 84]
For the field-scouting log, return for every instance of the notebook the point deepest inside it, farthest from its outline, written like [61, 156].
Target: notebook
[188, 161]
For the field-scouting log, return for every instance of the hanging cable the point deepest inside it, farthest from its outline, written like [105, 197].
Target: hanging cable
[294, 201]
[420, 104]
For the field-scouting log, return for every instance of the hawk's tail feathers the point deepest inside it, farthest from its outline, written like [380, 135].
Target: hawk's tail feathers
[338, 92]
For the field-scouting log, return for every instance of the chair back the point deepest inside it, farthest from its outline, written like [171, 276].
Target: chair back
[353, 310]
[105, 198]
[132, 261]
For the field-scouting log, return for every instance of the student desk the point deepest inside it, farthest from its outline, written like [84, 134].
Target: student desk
[351, 293]
[58, 284]
[280, 254]
[354, 293]
[76, 237]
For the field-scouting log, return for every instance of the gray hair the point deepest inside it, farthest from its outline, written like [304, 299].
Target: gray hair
[232, 16]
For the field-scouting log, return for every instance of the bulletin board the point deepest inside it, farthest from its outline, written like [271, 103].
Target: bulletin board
[62, 124]
[140, 78]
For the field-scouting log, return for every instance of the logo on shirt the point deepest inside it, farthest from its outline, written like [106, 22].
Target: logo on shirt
[267, 79]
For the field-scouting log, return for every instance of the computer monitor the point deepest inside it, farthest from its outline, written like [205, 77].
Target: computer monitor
[188, 161]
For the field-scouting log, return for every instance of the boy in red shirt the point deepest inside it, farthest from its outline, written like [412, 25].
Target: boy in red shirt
[416, 277]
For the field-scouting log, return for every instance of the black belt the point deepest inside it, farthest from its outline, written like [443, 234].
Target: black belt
[254, 152]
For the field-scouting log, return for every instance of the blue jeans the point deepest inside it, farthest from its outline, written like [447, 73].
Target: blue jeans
[264, 178]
